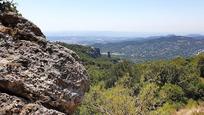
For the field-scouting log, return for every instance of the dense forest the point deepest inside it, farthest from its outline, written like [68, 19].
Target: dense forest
[120, 87]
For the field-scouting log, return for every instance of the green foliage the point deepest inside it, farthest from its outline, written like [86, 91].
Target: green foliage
[162, 73]
[97, 74]
[191, 104]
[148, 98]
[120, 70]
[113, 101]
[179, 61]
[119, 87]
[171, 93]
[183, 74]
[166, 109]
[8, 6]
[201, 64]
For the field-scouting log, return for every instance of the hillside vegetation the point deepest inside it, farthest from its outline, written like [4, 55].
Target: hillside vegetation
[166, 47]
[156, 88]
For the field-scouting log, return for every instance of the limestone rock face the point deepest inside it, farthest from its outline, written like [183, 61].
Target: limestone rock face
[36, 76]
[19, 106]
[94, 52]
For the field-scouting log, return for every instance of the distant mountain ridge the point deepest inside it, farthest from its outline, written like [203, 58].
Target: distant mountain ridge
[154, 48]
[86, 38]
[90, 40]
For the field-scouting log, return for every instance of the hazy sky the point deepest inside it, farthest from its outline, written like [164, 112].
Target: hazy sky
[161, 16]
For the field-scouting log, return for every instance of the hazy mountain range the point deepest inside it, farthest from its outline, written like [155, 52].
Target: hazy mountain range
[136, 48]
[89, 40]
[163, 47]
[104, 37]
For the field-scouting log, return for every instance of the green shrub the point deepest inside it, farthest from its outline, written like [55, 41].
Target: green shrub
[171, 93]
[113, 101]
[147, 98]
[191, 104]
[166, 109]
[161, 73]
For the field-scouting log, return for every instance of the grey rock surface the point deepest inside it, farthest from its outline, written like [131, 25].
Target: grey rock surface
[36, 75]
[10, 105]
[94, 52]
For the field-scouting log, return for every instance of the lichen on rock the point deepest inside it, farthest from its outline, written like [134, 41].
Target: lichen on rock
[37, 76]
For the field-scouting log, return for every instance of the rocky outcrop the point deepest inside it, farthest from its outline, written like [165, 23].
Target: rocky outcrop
[15, 105]
[94, 52]
[20, 28]
[36, 76]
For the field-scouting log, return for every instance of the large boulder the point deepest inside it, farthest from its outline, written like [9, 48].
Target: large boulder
[37, 76]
